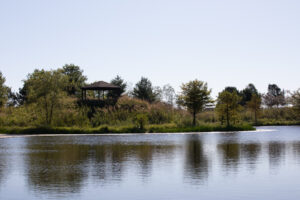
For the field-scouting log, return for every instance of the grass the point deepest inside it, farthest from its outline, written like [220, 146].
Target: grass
[164, 128]
[201, 128]
[277, 123]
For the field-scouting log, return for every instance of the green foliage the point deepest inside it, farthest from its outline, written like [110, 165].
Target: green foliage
[164, 128]
[295, 99]
[118, 81]
[141, 120]
[158, 116]
[275, 96]
[4, 91]
[247, 94]
[144, 90]
[75, 79]
[232, 89]
[228, 107]
[45, 92]
[254, 105]
[195, 96]
[48, 103]
[168, 94]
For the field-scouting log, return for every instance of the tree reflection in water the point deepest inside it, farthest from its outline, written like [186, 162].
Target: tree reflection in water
[3, 163]
[56, 167]
[196, 166]
[250, 153]
[296, 150]
[276, 153]
[230, 152]
[60, 167]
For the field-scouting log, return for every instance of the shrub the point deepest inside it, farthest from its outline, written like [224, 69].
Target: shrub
[140, 121]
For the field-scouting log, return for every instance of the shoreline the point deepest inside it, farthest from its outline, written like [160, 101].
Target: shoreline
[167, 128]
[4, 135]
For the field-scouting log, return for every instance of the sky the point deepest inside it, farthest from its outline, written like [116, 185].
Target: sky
[221, 42]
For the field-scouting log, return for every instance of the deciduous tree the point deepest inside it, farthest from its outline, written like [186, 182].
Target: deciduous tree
[168, 94]
[195, 96]
[295, 99]
[46, 91]
[275, 96]
[228, 106]
[4, 91]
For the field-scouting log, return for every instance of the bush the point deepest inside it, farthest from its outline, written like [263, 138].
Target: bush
[140, 121]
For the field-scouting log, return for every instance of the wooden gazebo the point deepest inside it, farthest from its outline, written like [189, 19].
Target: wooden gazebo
[103, 94]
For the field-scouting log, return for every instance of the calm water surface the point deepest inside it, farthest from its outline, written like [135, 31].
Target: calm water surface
[241, 165]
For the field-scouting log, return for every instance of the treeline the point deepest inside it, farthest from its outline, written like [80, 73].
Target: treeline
[49, 98]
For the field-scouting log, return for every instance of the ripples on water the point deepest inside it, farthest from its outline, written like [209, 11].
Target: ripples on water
[241, 165]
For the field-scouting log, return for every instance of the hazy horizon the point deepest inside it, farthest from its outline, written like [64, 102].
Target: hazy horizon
[224, 43]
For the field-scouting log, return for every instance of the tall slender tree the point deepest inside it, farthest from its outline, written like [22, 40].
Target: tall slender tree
[255, 105]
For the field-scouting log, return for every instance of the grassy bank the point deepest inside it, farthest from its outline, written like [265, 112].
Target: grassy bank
[165, 128]
[277, 123]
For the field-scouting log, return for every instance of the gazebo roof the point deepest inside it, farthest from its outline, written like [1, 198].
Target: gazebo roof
[100, 85]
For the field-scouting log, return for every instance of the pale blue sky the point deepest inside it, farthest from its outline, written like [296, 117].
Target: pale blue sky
[222, 42]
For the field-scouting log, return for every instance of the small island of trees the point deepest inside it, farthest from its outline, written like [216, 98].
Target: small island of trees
[50, 101]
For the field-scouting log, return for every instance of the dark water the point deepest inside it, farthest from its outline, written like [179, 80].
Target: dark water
[242, 165]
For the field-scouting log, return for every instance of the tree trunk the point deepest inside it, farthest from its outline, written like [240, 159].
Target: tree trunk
[51, 113]
[194, 118]
[46, 110]
[227, 116]
[255, 117]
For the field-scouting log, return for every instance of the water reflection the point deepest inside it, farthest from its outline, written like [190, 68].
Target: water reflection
[296, 151]
[55, 167]
[196, 162]
[250, 153]
[230, 155]
[64, 168]
[3, 165]
[276, 153]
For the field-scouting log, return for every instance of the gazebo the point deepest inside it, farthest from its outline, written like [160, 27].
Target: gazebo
[102, 94]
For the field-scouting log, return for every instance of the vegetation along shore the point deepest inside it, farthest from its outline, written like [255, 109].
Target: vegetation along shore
[61, 101]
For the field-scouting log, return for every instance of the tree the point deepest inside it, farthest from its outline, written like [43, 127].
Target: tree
[75, 77]
[195, 96]
[45, 90]
[118, 81]
[295, 100]
[275, 96]
[144, 90]
[232, 89]
[12, 98]
[168, 94]
[228, 106]
[158, 93]
[4, 91]
[254, 105]
[247, 93]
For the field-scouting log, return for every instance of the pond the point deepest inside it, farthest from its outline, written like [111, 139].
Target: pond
[262, 164]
